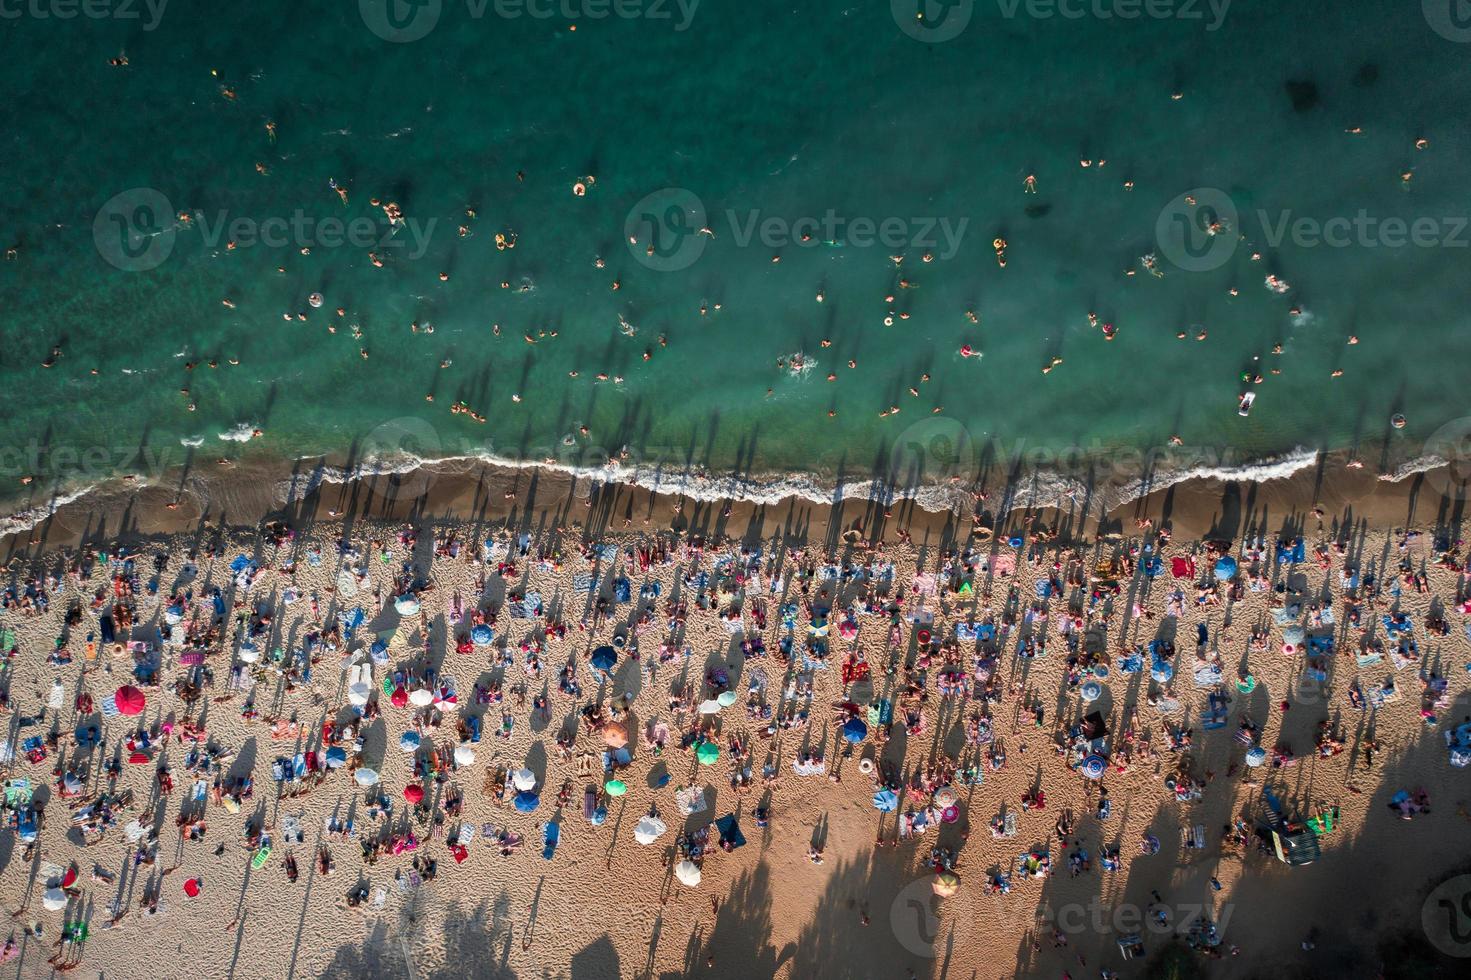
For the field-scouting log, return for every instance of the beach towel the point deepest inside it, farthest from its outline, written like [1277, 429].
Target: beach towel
[1182, 567]
[730, 831]
[1208, 675]
[551, 834]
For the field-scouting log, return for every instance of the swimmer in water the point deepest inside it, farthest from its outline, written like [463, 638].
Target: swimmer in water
[271, 130]
[341, 191]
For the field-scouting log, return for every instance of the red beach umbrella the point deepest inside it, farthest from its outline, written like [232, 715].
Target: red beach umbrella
[129, 700]
[193, 887]
[399, 698]
[413, 793]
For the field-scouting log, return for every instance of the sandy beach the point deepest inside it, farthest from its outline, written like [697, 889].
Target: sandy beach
[605, 906]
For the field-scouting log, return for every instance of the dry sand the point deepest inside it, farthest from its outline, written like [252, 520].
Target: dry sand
[605, 906]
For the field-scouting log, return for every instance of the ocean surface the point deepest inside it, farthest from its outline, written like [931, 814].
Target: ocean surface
[1228, 149]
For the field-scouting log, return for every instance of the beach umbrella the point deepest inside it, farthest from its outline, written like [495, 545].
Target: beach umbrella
[710, 707]
[128, 700]
[1294, 636]
[726, 698]
[420, 697]
[482, 635]
[615, 787]
[950, 814]
[886, 801]
[464, 755]
[946, 883]
[1162, 672]
[192, 887]
[707, 752]
[407, 605]
[944, 796]
[366, 777]
[409, 741]
[1091, 691]
[1256, 756]
[358, 694]
[649, 829]
[336, 757]
[414, 793]
[140, 758]
[1225, 568]
[54, 900]
[688, 873]
[524, 780]
[854, 730]
[526, 801]
[615, 736]
[248, 654]
[604, 659]
[1095, 766]
[399, 698]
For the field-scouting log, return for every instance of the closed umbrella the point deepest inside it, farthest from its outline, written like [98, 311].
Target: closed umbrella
[524, 780]
[464, 755]
[366, 777]
[688, 873]
[649, 829]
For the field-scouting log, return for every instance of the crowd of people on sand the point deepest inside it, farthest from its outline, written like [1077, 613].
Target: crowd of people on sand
[369, 630]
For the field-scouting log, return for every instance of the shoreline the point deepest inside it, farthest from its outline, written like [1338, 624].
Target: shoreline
[1119, 489]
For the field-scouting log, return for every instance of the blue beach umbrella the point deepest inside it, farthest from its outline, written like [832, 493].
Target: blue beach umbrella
[1226, 568]
[409, 741]
[854, 730]
[1162, 672]
[336, 757]
[886, 801]
[1092, 691]
[1094, 767]
[482, 635]
[604, 659]
[526, 801]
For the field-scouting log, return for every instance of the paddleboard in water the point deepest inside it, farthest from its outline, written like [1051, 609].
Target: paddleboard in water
[1245, 407]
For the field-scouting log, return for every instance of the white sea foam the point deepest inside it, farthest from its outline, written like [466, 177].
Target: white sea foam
[243, 432]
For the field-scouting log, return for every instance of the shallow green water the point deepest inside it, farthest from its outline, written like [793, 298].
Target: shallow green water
[771, 111]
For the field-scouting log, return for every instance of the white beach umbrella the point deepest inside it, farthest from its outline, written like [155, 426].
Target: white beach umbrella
[464, 755]
[524, 780]
[419, 697]
[688, 873]
[649, 829]
[54, 900]
[358, 694]
[366, 777]
[711, 707]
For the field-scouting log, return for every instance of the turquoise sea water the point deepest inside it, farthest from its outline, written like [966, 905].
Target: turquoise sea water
[765, 111]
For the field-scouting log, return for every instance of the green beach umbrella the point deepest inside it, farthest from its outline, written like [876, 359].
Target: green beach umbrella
[708, 752]
[615, 787]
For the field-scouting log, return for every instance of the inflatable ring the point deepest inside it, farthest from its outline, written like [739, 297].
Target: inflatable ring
[1246, 685]
[865, 766]
[984, 533]
[1288, 649]
[924, 637]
